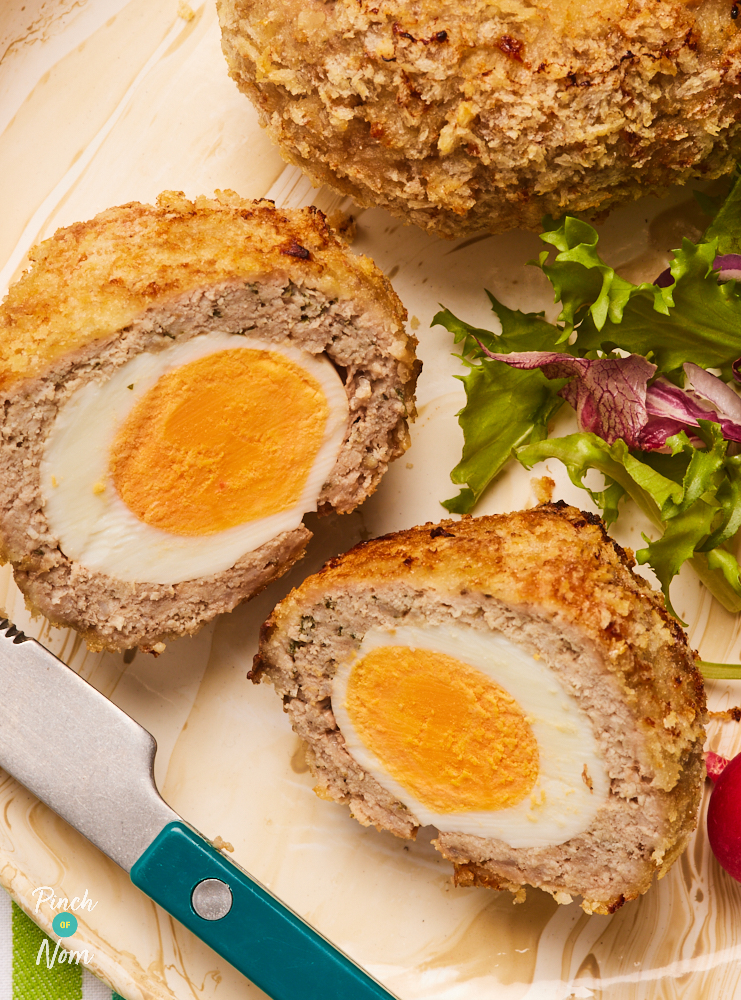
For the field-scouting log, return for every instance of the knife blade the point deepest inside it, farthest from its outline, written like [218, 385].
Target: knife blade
[103, 785]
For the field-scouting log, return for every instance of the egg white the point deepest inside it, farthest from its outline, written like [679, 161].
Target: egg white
[560, 805]
[100, 532]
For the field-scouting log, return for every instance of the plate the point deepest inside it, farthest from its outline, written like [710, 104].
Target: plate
[107, 101]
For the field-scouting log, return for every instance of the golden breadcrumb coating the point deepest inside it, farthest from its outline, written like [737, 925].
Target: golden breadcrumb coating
[94, 278]
[492, 113]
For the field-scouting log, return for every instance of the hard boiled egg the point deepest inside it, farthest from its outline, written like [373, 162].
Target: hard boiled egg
[186, 459]
[471, 733]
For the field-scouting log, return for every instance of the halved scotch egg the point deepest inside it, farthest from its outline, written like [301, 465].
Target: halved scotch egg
[509, 681]
[181, 385]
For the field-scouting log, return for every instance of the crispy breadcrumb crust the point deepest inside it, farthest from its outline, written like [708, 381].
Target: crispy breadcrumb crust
[137, 277]
[93, 279]
[490, 114]
[553, 580]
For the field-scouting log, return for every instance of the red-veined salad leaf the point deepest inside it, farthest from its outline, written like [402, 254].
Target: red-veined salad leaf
[612, 397]
[671, 409]
[608, 394]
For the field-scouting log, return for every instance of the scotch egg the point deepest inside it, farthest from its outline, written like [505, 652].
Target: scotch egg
[181, 384]
[509, 681]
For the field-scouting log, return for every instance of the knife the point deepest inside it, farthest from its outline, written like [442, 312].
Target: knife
[102, 783]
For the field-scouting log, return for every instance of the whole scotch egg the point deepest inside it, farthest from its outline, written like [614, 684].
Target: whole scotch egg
[181, 385]
[509, 681]
[491, 114]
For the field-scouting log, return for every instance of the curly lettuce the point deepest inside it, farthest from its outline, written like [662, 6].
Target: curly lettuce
[505, 408]
[691, 491]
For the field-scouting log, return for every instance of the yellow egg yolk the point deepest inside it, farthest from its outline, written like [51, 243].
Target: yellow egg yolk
[442, 729]
[225, 439]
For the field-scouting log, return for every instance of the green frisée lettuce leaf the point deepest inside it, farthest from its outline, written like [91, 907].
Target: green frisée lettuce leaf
[729, 495]
[504, 407]
[520, 332]
[691, 488]
[695, 510]
[582, 282]
[623, 474]
[726, 224]
[503, 410]
[695, 319]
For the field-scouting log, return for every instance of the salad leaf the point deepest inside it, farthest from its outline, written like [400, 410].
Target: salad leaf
[707, 387]
[726, 224]
[694, 511]
[689, 521]
[659, 397]
[695, 319]
[504, 407]
[671, 409]
[611, 396]
[729, 495]
[581, 280]
[725, 563]
[702, 474]
[584, 451]
[608, 394]
[520, 331]
[677, 544]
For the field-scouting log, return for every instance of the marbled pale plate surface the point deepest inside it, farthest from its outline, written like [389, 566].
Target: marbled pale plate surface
[107, 101]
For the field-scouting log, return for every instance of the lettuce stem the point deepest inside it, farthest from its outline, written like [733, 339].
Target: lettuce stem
[719, 671]
[716, 583]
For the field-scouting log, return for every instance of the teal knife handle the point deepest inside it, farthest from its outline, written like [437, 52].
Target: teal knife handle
[259, 936]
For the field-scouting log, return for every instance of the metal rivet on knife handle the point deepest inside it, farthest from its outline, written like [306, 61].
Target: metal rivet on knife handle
[212, 899]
